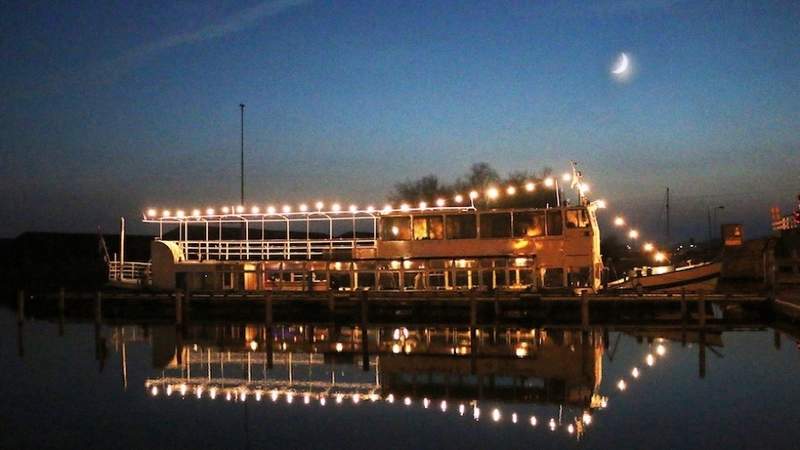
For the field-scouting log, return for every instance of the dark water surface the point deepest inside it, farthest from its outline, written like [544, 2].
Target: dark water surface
[138, 386]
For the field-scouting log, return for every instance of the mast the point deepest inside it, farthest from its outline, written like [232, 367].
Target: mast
[667, 207]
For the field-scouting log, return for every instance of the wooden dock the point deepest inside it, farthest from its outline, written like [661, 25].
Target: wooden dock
[473, 308]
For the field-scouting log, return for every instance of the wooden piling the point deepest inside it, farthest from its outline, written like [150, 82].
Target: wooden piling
[331, 301]
[777, 340]
[473, 309]
[20, 306]
[702, 355]
[364, 297]
[701, 309]
[62, 297]
[98, 308]
[584, 310]
[268, 309]
[178, 307]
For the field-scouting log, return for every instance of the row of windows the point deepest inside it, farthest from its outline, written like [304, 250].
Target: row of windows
[492, 225]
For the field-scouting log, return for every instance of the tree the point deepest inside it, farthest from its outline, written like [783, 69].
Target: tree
[423, 189]
[480, 177]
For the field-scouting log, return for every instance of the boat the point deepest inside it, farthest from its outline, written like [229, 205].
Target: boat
[693, 277]
[455, 243]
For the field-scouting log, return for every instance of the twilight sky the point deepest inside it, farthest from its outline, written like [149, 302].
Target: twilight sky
[111, 107]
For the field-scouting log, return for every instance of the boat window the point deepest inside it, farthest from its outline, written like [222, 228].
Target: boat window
[554, 223]
[461, 226]
[396, 228]
[496, 225]
[529, 224]
[554, 277]
[577, 218]
[578, 277]
[428, 227]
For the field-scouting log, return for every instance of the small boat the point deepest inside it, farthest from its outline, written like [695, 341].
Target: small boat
[694, 277]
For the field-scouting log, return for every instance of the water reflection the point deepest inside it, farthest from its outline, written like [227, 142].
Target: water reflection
[499, 383]
[547, 379]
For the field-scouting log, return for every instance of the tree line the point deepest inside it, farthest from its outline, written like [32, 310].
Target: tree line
[480, 177]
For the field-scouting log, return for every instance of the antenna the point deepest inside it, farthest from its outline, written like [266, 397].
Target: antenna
[241, 107]
[668, 242]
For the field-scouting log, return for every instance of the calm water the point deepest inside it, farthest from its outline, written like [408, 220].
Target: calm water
[223, 385]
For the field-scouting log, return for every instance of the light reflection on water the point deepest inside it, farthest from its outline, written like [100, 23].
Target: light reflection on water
[238, 385]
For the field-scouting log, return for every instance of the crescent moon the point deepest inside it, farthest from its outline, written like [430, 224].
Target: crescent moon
[622, 65]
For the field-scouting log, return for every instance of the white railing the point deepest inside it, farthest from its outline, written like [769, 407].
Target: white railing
[268, 249]
[129, 270]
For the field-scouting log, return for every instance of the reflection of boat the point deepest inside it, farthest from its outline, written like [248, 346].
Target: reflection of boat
[525, 373]
[695, 277]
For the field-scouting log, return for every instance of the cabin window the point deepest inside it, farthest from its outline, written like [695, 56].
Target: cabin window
[554, 277]
[396, 228]
[579, 277]
[496, 225]
[577, 218]
[461, 226]
[529, 224]
[554, 223]
[428, 227]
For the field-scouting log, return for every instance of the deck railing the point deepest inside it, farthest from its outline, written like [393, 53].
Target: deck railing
[268, 249]
[128, 270]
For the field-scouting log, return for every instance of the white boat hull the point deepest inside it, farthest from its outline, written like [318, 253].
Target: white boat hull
[700, 277]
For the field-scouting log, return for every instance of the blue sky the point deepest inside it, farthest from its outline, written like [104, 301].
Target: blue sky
[109, 108]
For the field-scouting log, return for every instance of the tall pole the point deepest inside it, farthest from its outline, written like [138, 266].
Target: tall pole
[668, 230]
[241, 108]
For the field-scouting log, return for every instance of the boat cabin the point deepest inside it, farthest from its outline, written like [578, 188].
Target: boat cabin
[403, 249]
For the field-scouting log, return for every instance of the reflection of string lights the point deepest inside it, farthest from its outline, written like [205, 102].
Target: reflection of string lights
[241, 392]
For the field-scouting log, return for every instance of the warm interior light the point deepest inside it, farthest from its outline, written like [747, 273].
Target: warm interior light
[659, 257]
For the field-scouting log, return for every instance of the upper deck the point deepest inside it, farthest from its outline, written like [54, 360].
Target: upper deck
[421, 232]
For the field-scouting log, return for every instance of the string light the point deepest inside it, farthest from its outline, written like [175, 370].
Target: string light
[530, 186]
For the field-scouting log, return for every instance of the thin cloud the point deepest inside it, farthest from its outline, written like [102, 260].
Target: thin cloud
[129, 61]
